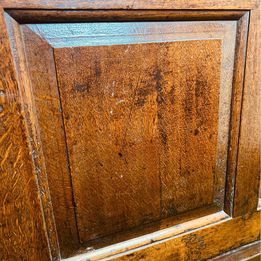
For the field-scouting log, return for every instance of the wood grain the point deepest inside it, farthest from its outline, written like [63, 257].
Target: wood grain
[148, 133]
[204, 243]
[131, 4]
[33, 131]
[184, 242]
[22, 228]
[63, 16]
[41, 67]
[246, 252]
[236, 105]
[249, 154]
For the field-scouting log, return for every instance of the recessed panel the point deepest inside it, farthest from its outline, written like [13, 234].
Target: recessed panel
[141, 125]
[133, 119]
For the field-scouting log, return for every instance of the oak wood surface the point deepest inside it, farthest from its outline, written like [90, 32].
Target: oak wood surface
[20, 216]
[140, 141]
[33, 130]
[131, 4]
[214, 237]
[236, 105]
[249, 154]
[22, 228]
[41, 70]
[247, 252]
[204, 243]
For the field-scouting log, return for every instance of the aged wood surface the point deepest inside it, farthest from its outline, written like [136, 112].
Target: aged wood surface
[142, 141]
[249, 154]
[33, 131]
[22, 232]
[241, 253]
[131, 4]
[238, 81]
[35, 16]
[209, 237]
[40, 62]
[203, 243]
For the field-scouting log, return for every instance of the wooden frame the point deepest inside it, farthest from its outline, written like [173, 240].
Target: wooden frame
[244, 90]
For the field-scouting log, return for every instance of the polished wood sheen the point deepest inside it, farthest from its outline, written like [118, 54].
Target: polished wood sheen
[134, 117]
[129, 131]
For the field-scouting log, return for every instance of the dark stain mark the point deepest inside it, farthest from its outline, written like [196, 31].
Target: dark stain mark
[142, 95]
[143, 92]
[172, 211]
[82, 87]
[120, 154]
[161, 102]
[196, 132]
[140, 102]
[100, 163]
[97, 69]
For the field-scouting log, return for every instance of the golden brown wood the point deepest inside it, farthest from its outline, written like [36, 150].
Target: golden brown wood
[216, 235]
[131, 4]
[238, 81]
[34, 61]
[204, 243]
[249, 154]
[148, 133]
[22, 229]
[40, 63]
[247, 252]
[33, 133]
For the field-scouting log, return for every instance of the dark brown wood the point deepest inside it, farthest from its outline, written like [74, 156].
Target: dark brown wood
[22, 228]
[236, 104]
[247, 252]
[54, 16]
[249, 154]
[130, 4]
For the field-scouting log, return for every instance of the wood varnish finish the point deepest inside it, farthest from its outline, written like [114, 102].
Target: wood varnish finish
[27, 227]
[22, 230]
[46, 100]
[136, 160]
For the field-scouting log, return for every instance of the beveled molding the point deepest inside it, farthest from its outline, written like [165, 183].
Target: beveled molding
[242, 18]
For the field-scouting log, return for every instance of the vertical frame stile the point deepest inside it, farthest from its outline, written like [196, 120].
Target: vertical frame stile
[249, 148]
[22, 225]
[236, 103]
[32, 129]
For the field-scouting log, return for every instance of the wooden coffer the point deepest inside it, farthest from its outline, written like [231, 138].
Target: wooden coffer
[128, 132]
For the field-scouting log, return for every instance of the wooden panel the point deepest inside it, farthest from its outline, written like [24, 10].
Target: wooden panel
[33, 130]
[42, 73]
[238, 83]
[148, 130]
[182, 242]
[203, 243]
[39, 58]
[22, 229]
[130, 4]
[249, 154]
